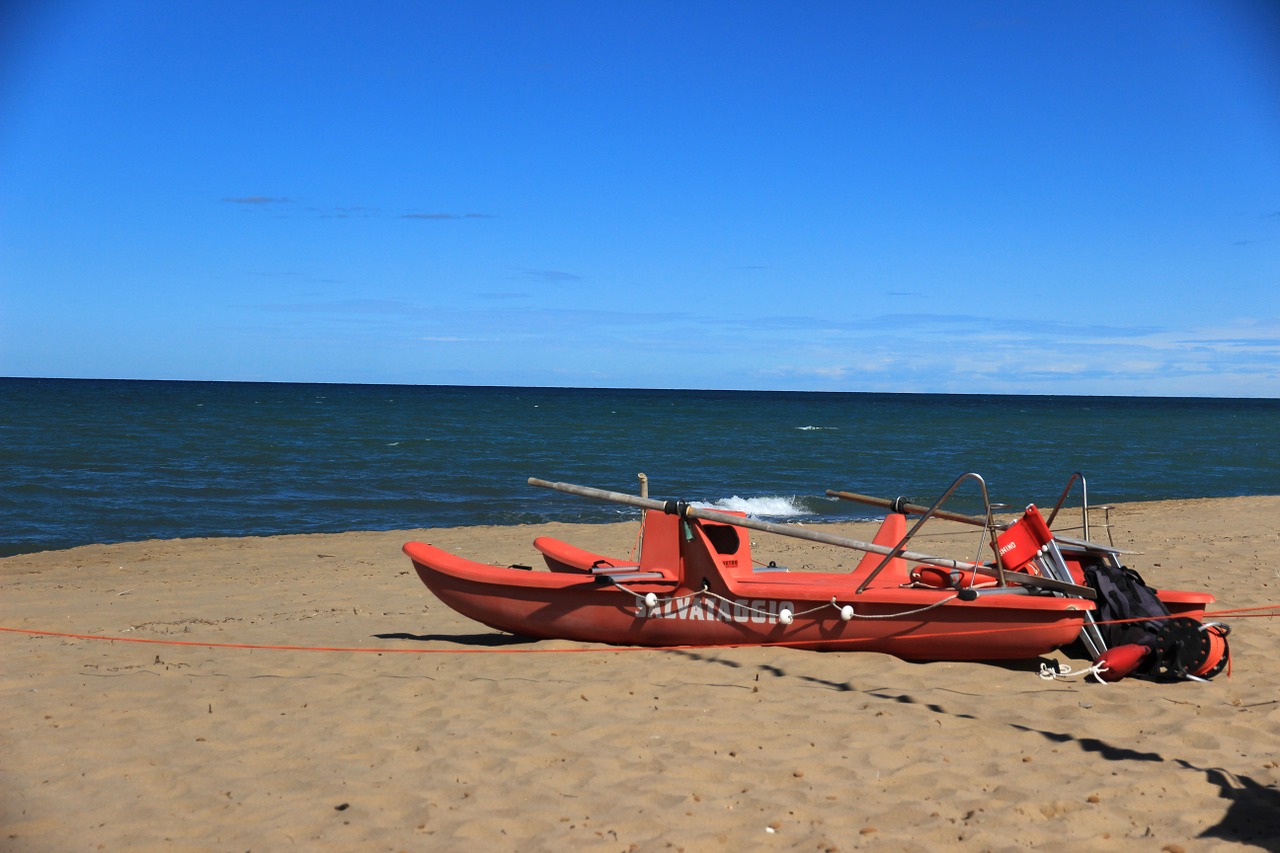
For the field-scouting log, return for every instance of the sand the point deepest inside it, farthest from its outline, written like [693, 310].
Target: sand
[472, 740]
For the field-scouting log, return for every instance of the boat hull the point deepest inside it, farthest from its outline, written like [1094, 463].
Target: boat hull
[792, 609]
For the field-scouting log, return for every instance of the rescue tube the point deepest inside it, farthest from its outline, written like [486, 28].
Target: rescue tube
[936, 577]
[1115, 663]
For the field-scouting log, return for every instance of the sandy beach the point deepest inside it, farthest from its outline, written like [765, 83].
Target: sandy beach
[400, 725]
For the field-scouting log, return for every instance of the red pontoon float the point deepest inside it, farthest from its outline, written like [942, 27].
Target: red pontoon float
[695, 584]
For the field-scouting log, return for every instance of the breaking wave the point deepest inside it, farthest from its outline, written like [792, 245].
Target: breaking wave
[768, 506]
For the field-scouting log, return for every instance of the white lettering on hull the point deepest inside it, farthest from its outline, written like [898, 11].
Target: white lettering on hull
[757, 611]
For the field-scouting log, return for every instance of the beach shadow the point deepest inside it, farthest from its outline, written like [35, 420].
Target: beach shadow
[1253, 816]
[1253, 813]
[485, 640]
[765, 668]
[838, 686]
[847, 686]
[705, 658]
[905, 699]
[1104, 750]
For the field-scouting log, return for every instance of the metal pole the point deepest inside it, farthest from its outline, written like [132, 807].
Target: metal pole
[900, 505]
[682, 509]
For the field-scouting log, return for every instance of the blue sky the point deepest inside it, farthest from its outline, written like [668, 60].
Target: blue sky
[1005, 197]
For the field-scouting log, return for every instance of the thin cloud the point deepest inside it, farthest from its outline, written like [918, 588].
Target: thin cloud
[343, 306]
[1234, 359]
[357, 212]
[552, 275]
[257, 200]
[446, 216]
[575, 321]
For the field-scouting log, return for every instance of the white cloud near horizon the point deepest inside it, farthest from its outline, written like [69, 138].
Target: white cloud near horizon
[898, 352]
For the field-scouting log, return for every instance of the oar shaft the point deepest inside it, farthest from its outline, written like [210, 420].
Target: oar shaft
[899, 505]
[686, 511]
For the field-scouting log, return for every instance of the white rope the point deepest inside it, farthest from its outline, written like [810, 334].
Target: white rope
[846, 611]
[856, 615]
[1064, 672]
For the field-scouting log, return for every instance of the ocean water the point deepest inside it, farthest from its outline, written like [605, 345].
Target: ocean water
[84, 461]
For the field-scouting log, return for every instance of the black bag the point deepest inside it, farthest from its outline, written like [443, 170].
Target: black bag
[1122, 594]
[1179, 647]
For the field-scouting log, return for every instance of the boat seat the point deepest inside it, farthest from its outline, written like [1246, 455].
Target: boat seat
[563, 557]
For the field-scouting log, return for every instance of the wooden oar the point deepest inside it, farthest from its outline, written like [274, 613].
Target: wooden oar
[900, 505]
[685, 511]
[903, 506]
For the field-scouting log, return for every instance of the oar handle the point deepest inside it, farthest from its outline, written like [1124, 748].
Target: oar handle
[684, 510]
[602, 494]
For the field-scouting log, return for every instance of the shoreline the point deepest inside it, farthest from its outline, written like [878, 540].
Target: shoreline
[1069, 512]
[475, 743]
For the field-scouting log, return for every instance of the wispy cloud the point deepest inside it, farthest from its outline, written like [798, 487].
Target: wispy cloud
[354, 211]
[930, 353]
[343, 306]
[1044, 357]
[257, 200]
[446, 216]
[552, 275]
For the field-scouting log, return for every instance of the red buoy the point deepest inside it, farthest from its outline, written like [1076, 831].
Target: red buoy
[1114, 664]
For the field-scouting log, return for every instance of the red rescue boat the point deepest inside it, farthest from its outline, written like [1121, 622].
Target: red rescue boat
[695, 584]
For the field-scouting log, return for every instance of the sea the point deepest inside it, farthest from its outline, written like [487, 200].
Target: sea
[103, 461]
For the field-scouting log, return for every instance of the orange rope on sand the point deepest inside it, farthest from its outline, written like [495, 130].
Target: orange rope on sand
[205, 645]
[1240, 613]
[600, 647]
[1252, 612]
